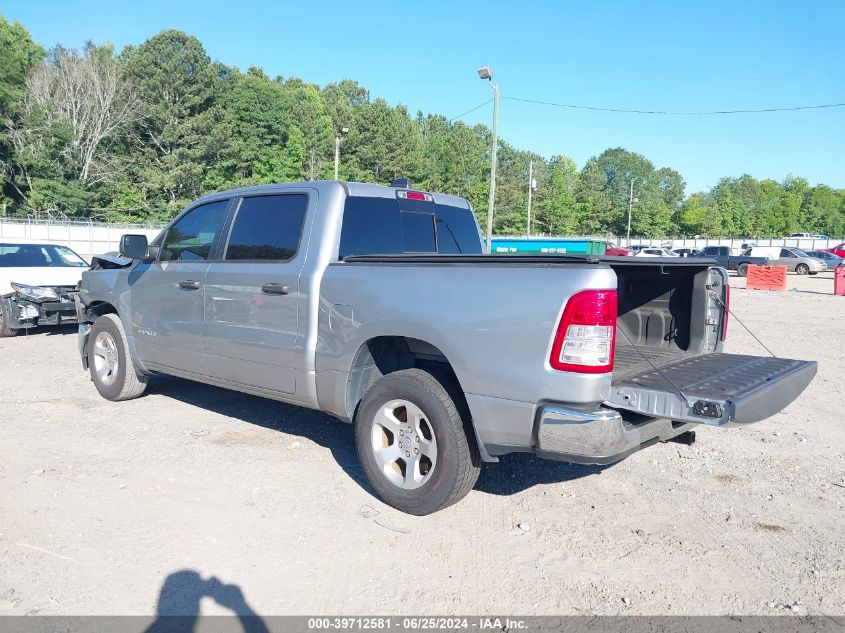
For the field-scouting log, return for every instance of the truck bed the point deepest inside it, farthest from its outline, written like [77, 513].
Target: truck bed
[630, 362]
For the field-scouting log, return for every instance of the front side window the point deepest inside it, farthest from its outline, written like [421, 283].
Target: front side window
[267, 228]
[191, 238]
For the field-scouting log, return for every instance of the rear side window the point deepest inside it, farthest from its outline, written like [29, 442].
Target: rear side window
[267, 228]
[378, 226]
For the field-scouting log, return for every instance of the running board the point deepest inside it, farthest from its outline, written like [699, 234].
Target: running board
[720, 388]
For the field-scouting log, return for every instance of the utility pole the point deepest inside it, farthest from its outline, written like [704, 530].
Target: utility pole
[491, 198]
[337, 152]
[531, 186]
[631, 201]
[485, 72]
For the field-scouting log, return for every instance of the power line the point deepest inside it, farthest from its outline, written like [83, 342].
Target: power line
[470, 110]
[671, 113]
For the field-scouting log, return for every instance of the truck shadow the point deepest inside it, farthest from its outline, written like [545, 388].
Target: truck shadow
[178, 609]
[48, 330]
[514, 473]
[520, 471]
[320, 428]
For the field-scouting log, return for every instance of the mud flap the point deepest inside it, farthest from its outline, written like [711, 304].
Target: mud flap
[719, 388]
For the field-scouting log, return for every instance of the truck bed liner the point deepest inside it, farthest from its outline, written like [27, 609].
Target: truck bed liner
[629, 362]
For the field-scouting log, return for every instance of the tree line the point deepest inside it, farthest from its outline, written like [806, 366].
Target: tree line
[135, 134]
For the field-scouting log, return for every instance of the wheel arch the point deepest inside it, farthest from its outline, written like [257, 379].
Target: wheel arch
[96, 309]
[382, 355]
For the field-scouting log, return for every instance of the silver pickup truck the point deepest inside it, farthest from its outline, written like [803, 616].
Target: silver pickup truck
[375, 304]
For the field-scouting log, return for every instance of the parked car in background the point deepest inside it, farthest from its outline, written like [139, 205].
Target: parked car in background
[726, 259]
[687, 252]
[832, 260]
[37, 283]
[613, 250]
[653, 251]
[839, 250]
[806, 236]
[795, 260]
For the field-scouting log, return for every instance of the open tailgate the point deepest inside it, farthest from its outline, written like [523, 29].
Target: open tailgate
[719, 388]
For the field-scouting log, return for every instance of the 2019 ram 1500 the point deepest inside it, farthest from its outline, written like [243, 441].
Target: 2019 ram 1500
[376, 305]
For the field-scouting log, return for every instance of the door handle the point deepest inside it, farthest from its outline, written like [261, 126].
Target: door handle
[189, 285]
[275, 289]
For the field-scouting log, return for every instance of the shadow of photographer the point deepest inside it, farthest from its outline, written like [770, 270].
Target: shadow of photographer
[179, 601]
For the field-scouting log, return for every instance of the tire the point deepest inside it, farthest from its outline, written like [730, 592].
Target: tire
[447, 464]
[742, 270]
[5, 330]
[802, 269]
[110, 362]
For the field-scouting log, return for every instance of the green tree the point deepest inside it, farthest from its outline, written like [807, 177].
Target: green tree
[557, 209]
[385, 143]
[305, 109]
[176, 82]
[19, 54]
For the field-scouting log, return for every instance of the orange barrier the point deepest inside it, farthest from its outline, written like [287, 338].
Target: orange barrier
[839, 280]
[766, 278]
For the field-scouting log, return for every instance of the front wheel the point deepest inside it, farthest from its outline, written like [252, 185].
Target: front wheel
[110, 361]
[5, 330]
[742, 270]
[412, 443]
[802, 269]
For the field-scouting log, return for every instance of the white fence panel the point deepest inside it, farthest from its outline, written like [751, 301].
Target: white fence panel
[86, 238]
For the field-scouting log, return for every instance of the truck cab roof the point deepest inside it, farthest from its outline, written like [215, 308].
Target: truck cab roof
[348, 189]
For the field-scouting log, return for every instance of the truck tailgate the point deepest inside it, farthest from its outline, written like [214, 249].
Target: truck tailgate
[719, 388]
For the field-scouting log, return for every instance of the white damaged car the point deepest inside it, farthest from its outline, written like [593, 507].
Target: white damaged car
[37, 284]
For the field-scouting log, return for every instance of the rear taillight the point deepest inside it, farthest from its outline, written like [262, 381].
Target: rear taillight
[586, 335]
[727, 312]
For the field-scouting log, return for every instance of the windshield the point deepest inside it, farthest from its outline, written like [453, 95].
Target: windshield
[39, 256]
[799, 252]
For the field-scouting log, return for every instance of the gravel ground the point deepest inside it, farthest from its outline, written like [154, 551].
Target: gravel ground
[106, 506]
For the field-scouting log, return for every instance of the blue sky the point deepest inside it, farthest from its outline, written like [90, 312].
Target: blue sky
[639, 55]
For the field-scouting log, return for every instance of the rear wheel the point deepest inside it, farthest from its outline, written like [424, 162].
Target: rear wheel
[412, 443]
[5, 330]
[802, 269]
[742, 270]
[110, 362]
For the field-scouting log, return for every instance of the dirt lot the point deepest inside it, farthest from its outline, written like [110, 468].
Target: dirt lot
[103, 506]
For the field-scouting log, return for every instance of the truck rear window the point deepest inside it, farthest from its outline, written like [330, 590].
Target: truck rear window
[379, 226]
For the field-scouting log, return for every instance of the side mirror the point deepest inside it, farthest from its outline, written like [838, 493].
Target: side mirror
[134, 246]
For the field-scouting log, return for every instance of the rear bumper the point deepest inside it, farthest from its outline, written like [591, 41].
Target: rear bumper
[596, 435]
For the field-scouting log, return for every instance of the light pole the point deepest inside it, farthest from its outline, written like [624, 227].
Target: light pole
[631, 201]
[343, 130]
[485, 72]
[532, 185]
